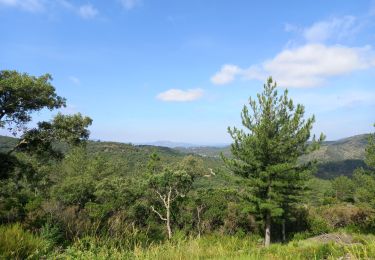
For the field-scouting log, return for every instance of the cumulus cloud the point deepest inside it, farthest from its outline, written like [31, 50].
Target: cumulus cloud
[27, 5]
[87, 11]
[179, 95]
[130, 4]
[305, 66]
[310, 65]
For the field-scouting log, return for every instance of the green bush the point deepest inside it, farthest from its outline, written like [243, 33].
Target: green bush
[17, 243]
[318, 225]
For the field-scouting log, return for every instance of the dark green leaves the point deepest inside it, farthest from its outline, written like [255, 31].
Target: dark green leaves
[22, 94]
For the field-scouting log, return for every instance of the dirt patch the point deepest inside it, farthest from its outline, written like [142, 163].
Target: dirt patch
[339, 238]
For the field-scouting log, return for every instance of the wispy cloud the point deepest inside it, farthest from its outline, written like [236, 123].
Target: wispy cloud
[330, 102]
[75, 80]
[130, 4]
[87, 11]
[27, 5]
[336, 28]
[306, 66]
[179, 95]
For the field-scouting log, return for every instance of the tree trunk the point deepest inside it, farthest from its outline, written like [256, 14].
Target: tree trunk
[168, 207]
[199, 210]
[267, 235]
[169, 230]
[283, 229]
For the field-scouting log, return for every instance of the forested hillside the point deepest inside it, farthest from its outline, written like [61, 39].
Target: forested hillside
[335, 158]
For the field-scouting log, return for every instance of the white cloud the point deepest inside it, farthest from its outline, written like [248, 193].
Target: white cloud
[334, 28]
[227, 74]
[87, 11]
[75, 80]
[179, 95]
[27, 5]
[306, 66]
[130, 4]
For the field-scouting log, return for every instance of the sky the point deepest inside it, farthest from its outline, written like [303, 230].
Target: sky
[147, 70]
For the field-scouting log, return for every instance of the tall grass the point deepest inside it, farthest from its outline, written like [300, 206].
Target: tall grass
[224, 247]
[221, 247]
[16, 243]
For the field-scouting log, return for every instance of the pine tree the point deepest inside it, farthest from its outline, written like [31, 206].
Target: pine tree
[267, 153]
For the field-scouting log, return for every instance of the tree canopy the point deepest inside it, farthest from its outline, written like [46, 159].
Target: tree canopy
[22, 94]
[267, 153]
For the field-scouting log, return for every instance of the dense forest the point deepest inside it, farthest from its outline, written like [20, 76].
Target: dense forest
[277, 192]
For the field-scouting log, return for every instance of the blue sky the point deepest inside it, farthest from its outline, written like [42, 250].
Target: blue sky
[148, 70]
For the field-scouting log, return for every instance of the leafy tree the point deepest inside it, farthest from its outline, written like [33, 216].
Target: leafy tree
[70, 129]
[364, 179]
[154, 163]
[22, 94]
[344, 188]
[169, 185]
[267, 155]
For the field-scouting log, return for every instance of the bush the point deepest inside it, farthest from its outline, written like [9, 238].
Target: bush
[345, 214]
[17, 243]
[318, 225]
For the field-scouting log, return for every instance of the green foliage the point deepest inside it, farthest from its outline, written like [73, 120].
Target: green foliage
[370, 152]
[267, 154]
[21, 94]
[69, 129]
[16, 243]
[79, 177]
[343, 188]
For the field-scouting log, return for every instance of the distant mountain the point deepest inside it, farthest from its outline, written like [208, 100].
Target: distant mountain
[339, 157]
[169, 144]
[343, 149]
[206, 151]
[180, 145]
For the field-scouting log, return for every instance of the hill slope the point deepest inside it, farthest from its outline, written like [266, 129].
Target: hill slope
[336, 158]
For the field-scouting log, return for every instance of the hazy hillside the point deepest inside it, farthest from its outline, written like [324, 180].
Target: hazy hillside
[339, 157]
[343, 149]
[133, 158]
[7, 143]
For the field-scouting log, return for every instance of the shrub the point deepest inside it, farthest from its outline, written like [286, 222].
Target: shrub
[318, 225]
[17, 243]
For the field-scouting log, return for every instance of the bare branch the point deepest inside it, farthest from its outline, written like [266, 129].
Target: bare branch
[23, 141]
[160, 216]
[163, 198]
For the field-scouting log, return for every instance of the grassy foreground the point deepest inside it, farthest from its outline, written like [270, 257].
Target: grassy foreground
[225, 247]
[17, 243]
